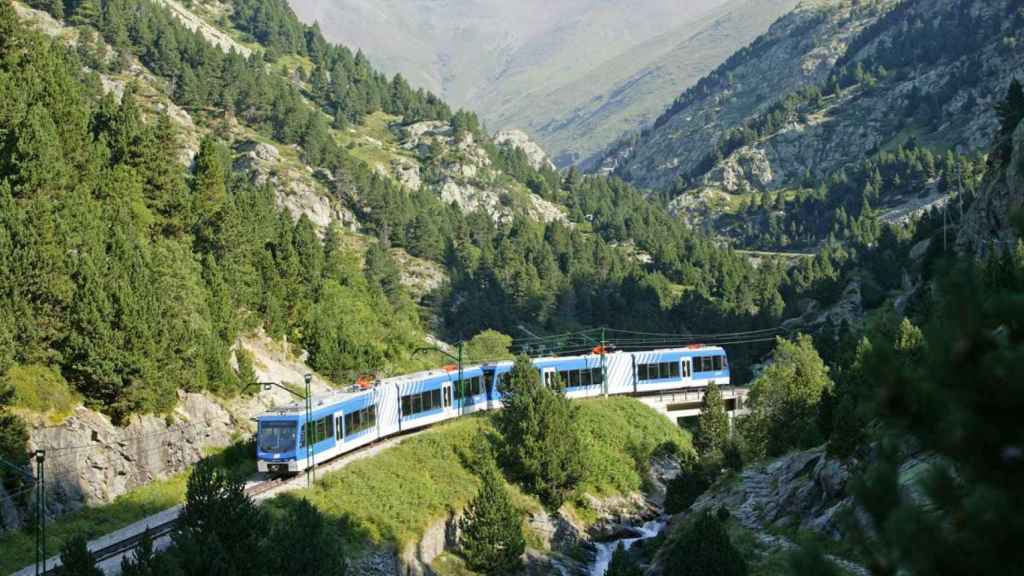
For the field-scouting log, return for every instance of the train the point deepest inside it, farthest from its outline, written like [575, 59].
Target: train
[344, 421]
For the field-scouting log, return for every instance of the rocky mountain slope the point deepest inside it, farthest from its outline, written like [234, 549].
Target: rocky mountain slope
[830, 84]
[575, 75]
[995, 220]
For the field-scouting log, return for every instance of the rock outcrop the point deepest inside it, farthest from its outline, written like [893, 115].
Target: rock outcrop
[459, 170]
[90, 461]
[988, 225]
[296, 188]
[522, 141]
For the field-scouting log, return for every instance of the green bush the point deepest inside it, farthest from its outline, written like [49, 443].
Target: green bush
[41, 389]
[684, 489]
[703, 548]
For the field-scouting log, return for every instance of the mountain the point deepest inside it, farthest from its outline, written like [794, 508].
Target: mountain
[574, 75]
[829, 86]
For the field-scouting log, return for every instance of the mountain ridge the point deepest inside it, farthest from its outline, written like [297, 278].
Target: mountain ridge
[552, 81]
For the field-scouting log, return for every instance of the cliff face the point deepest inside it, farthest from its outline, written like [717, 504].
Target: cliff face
[912, 69]
[989, 225]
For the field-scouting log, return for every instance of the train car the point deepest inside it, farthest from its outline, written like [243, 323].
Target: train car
[423, 398]
[282, 436]
[473, 393]
[345, 421]
[578, 376]
[672, 369]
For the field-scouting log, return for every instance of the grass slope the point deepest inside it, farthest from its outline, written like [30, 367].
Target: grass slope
[394, 496]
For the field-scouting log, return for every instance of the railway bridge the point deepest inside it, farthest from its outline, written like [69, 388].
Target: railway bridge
[678, 405]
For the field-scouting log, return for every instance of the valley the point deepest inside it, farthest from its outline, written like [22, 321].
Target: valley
[782, 239]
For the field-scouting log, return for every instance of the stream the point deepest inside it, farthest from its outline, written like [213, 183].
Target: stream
[606, 549]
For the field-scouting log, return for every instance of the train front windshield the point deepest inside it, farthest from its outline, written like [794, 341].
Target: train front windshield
[277, 437]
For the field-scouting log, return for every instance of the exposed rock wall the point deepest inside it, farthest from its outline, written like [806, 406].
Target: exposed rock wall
[987, 226]
[91, 461]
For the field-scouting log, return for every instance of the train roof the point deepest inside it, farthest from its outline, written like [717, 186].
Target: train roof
[319, 401]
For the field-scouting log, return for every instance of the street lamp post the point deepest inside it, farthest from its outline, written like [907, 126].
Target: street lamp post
[310, 459]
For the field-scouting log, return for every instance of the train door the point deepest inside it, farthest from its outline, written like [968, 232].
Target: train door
[446, 395]
[489, 385]
[686, 369]
[548, 376]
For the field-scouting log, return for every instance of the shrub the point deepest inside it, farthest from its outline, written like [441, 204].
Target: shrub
[621, 565]
[41, 389]
[684, 489]
[703, 548]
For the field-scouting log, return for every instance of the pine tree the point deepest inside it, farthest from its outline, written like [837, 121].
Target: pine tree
[492, 534]
[540, 436]
[77, 560]
[314, 548]
[621, 565]
[220, 528]
[703, 548]
[712, 424]
[142, 561]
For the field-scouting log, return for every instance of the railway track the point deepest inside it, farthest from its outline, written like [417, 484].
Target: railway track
[129, 543]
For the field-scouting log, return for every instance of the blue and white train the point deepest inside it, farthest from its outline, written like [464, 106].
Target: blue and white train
[344, 421]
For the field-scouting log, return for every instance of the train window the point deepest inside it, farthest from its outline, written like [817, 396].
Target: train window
[549, 379]
[277, 436]
[330, 427]
[597, 375]
[505, 379]
[718, 363]
[673, 369]
[406, 405]
[435, 398]
[641, 372]
[573, 378]
[321, 430]
[339, 428]
[586, 378]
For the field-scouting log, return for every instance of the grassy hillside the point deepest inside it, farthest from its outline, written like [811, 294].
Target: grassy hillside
[394, 496]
